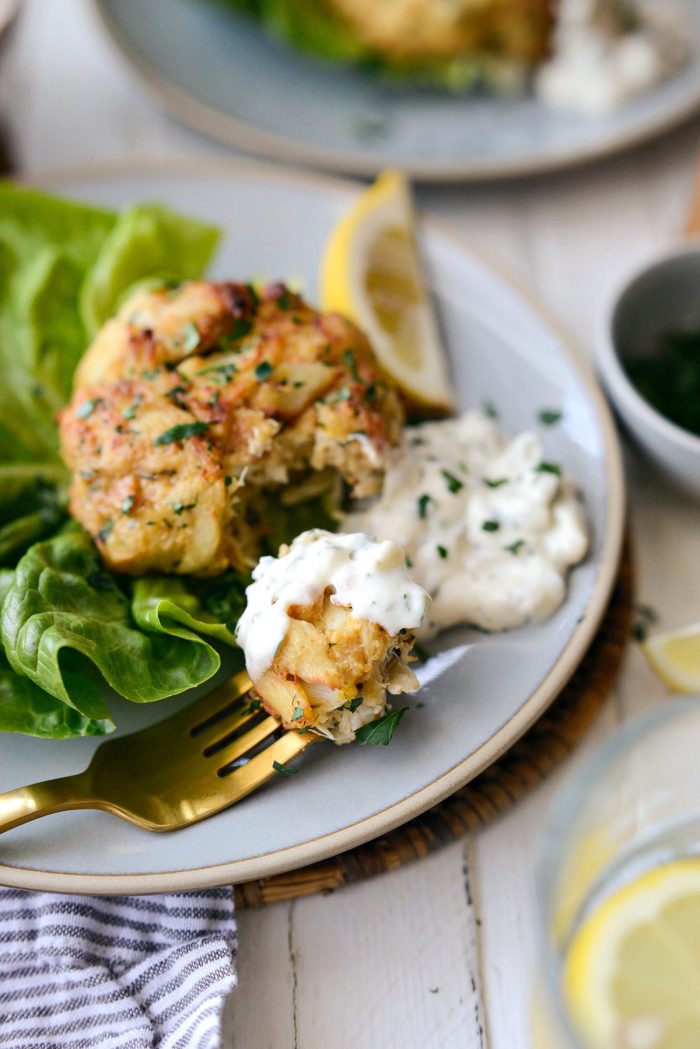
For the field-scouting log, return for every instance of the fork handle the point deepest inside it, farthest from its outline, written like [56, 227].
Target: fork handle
[41, 799]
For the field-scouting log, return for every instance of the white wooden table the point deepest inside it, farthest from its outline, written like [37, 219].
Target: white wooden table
[388, 963]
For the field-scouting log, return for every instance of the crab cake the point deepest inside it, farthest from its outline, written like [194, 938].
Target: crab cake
[328, 629]
[264, 399]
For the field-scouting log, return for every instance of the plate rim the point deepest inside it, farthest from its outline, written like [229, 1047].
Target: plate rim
[240, 134]
[533, 706]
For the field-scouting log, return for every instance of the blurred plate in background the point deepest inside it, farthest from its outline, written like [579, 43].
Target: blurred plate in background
[218, 72]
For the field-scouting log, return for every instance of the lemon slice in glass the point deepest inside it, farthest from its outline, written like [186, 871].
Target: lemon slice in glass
[632, 972]
[675, 658]
[371, 274]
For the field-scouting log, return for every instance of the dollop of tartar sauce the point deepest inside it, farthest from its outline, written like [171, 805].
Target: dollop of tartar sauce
[606, 52]
[488, 526]
[367, 576]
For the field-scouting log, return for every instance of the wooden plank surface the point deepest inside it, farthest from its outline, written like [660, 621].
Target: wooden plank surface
[391, 963]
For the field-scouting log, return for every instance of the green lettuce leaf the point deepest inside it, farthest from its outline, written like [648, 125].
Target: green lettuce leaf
[164, 604]
[147, 241]
[26, 708]
[63, 267]
[67, 626]
[32, 505]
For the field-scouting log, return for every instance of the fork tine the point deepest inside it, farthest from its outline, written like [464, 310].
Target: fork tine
[259, 769]
[246, 742]
[202, 710]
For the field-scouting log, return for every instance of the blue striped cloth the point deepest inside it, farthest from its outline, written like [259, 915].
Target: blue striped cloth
[129, 972]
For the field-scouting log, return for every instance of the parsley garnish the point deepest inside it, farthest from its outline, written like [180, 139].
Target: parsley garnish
[343, 394]
[453, 483]
[442, 551]
[181, 507]
[549, 468]
[353, 704]
[371, 392]
[181, 432]
[548, 417]
[104, 531]
[284, 769]
[127, 504]
[240, 329]
[190, 337]
[297, 713]
[490, 409]
[228, 481]
[380, 731]
[423, 505]
[263, 370]
[516, 546]
[490, 526]
[496, 484]
[130, 411]
[349, 358]
[284, 301]
[254, 706]
[645, 616]
[87, 408]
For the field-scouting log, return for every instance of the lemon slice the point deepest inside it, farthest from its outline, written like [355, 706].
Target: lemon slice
[371, 273]
[675, 658]
[632, 973]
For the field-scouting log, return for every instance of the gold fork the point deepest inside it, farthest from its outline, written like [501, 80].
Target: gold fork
[179, 771]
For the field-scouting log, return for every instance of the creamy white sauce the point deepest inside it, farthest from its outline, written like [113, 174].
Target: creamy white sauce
[488, 529]
[367, 576]
[599, 61]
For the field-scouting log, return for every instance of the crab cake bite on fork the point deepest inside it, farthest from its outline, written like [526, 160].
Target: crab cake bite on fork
[328, 630]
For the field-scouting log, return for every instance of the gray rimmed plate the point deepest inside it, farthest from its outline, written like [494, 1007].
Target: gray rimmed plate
[480, 693]
[218, 72]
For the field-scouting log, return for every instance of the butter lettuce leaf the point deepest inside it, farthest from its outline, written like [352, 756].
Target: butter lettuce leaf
[67, 627]
[63, 267]
[166, 605]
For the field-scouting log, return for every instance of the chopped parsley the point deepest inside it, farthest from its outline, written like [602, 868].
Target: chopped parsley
[228, 481]
[190, 337]
[284, 769]
[297, 713]
[104, 531]
[180, 508]
[496, 484]
[240, 329]
[343, 394]
[549, 417]
[515, 547]
[181, 432]
[349, 358]
[423, 501]
[549, 468]
[254, 706]
[263, 370]
[127, 504]
[284, 301]
[442, 551]
[130, 411]
[371, 392]
[87, 408]
[490, 409]
[353, 704]
[454, 484]
[645, 616]
[490, 526]
[380, 732]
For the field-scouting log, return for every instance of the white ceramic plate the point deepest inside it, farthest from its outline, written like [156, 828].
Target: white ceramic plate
[218, 72]
[483, 691]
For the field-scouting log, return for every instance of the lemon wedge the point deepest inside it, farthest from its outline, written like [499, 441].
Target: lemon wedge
[632, 972]
[675, 658]
[371, 274]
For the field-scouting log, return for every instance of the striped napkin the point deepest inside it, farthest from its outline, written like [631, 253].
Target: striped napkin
[123, 972]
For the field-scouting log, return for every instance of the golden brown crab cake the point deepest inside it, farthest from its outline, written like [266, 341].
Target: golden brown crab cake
[421, 31]
[327, 631]
[162, 326]
[146, 483]
[280, 395]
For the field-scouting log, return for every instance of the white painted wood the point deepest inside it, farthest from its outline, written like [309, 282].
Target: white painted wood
[390, 963]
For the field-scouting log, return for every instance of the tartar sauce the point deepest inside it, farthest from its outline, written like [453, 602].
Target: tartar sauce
[606, 52]
[488, 526]
[366, 575]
